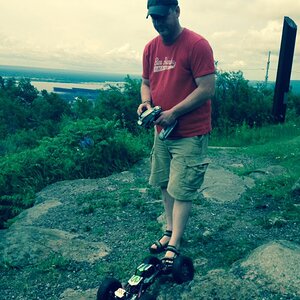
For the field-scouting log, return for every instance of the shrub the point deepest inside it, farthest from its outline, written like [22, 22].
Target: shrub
[88, 148]
[236, 102]
[120, 103]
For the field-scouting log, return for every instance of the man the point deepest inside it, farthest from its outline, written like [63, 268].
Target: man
[178, 75]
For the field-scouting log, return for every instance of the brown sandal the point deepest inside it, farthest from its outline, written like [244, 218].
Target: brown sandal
[159, 246]
[168, 261]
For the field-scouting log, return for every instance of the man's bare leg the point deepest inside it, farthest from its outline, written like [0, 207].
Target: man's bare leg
[168, 205]
[181, 213]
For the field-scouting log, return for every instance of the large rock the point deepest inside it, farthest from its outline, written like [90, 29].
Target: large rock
[29, 216]
[278, 261]
[29, 245]
[25, 244]
[268, 172]
[220, 284]
[71, 294]
[221, 185]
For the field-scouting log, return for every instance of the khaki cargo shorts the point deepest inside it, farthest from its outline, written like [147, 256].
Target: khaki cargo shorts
[179, 165]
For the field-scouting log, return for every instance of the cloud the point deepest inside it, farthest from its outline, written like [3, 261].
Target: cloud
[224, 34]
[265, 38]
[273, 8]
[111, 35]
[124, 51]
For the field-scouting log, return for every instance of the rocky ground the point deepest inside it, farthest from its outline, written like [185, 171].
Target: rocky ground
[81, 231]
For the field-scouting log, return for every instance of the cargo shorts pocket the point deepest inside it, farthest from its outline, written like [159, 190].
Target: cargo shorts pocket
[195, 171]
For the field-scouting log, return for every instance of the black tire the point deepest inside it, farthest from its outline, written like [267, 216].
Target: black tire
[107, 288]
[147, 297]
[183, 269]
[152, 260]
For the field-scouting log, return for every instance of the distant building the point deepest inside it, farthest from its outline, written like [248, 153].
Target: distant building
[72, 93]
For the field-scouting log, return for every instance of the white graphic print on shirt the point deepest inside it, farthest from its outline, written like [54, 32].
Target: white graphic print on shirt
[163, 65]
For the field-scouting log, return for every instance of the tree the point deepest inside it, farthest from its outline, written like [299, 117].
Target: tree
[83, 108]
[2, 83]
[120, 103]
[26, 92]
[236, 102]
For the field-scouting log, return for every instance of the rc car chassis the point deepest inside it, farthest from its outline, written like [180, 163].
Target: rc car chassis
[145, 274]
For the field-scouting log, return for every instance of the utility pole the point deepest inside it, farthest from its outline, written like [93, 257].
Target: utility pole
[216, 64]
[267, 71]
[284, 70]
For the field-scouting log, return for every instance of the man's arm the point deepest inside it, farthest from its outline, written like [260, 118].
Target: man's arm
[145, 95]
[204, 91]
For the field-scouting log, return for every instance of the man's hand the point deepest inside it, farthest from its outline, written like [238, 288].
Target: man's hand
[165, 119]
[143, 106]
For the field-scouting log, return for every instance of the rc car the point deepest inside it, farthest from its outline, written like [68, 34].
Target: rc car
[145, 274]
[147, 118]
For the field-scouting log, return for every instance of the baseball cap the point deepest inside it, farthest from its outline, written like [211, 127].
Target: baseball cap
[159, 7]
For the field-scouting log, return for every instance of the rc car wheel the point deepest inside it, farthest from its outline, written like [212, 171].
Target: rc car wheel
[152, 260]
[107, 288]
[183, 269]
[147, 297]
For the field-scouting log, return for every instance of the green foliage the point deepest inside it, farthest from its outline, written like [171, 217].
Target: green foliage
[244, 135]
[82, 108]
[19, 141]
[13, 115]
[49, 107]
[236, 102]
[293, 109]
[120, 103]
[275, 197]
[282, 149]
[55, 261]
[88, 148]
[26, 92]
[27, 117]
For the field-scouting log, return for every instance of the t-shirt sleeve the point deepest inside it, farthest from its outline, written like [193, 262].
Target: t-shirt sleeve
[202, 59]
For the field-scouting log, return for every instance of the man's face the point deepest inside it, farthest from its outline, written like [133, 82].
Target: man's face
[165, 25]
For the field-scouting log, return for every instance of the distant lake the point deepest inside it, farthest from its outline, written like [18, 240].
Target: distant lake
[48, 78]
[49, 85]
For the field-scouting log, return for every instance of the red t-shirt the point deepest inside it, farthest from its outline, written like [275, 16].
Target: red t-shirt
[171, 70]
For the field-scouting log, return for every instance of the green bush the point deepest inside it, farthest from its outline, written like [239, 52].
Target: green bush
[25, 113]
[236, 103]
[120, 103]
[88, 148]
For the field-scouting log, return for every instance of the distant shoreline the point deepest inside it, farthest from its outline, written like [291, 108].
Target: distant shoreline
[47, 79]
[50, 85]
[59, 75]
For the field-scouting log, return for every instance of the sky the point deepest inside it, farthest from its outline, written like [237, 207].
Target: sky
[109, 36]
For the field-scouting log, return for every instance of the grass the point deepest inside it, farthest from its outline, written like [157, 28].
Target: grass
[279, 145]
[283, 151]
[270, 205]
[243, 136]
[115, 199]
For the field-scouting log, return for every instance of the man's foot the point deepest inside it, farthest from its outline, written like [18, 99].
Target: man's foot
[168, 260]
[161, 244]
